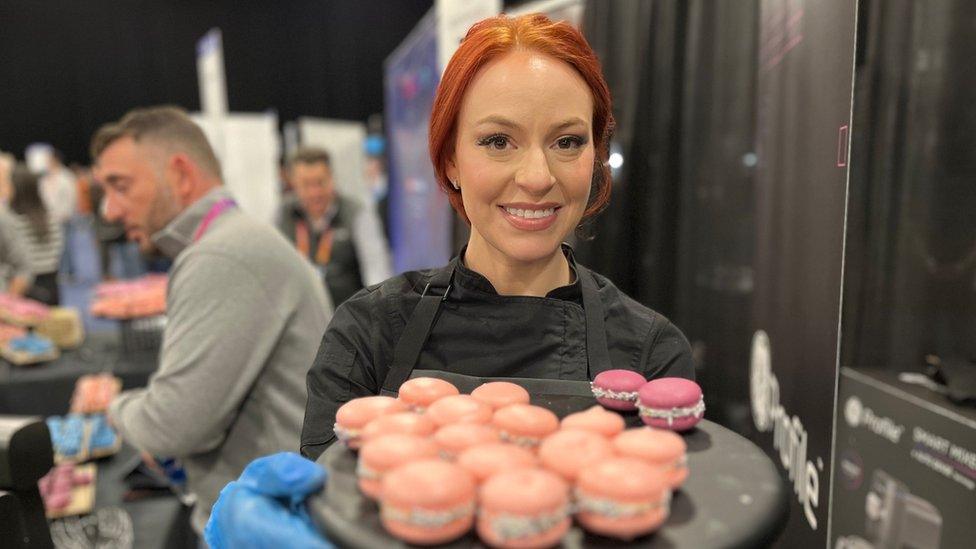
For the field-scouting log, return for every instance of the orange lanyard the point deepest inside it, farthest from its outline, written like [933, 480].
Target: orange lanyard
[303, 242]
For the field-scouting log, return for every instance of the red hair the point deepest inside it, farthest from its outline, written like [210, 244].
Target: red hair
[496, 36]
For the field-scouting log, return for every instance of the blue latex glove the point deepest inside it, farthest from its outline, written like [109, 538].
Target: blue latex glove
[265, 508]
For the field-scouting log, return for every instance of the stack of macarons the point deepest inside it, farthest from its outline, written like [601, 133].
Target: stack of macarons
[440, 463]
[673, 403]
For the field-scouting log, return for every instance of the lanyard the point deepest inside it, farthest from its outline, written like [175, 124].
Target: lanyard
[213, 213]
[303, 242]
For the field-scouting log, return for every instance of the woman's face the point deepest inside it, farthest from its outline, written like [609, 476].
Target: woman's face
[523, 155]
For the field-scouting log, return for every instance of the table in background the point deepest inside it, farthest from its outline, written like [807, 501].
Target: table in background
[159, 521]
[46, 389]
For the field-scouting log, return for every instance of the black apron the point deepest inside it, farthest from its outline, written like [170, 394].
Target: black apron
[544, 392]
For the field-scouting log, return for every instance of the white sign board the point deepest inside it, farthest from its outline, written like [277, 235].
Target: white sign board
[250, 161]
[213, 85]
[345, 141]
[454, 18]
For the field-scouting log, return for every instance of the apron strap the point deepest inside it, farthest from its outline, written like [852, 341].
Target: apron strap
[417, 330]
[597, 354]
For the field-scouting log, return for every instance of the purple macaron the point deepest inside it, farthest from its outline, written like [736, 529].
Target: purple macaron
[673, 403]
[617, 389]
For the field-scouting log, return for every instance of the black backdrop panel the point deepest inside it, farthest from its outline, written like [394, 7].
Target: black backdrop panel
[806, 55]
[910, 282]
[68, 67]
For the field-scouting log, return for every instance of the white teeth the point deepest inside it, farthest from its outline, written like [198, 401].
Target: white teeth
[531, 214]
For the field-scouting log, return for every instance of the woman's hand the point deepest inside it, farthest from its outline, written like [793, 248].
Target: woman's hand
[265, 507]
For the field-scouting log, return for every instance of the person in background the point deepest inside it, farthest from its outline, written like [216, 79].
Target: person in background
[6, 166]
[519, 140]
[376, 179]
[16, 274]
[41, 232]
[245, 313]
[340, 236]
[60, 194]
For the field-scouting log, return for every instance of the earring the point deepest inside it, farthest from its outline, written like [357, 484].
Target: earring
[455, 184]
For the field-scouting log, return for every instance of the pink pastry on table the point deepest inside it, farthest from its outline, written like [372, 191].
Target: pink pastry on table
[673, 403]
[568, 451]
[421, 392]
[499, 394]
[454, 438]
[622, 498]
[524, 424]
[663, 449]
[458, 409]
[617, 389]
[523, 509]
[387, 452]
[427, 502]
[485, 460]
[596, 419]
[352, 416]
[407, 423]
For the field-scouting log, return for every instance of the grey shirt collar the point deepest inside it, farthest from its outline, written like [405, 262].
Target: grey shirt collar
[175, 237]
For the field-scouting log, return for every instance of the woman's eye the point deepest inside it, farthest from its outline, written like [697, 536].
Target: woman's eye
[570, 142]
[495, 142]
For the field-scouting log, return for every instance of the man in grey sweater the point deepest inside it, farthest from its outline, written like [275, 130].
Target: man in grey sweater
[245, 311]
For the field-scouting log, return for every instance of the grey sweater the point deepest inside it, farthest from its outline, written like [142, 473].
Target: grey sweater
[246, 314]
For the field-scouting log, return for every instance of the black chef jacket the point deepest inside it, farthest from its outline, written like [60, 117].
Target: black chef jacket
[481, 333]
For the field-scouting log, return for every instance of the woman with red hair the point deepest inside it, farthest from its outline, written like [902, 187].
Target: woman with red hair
[519, 139]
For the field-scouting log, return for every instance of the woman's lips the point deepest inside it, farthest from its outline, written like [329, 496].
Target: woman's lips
[536, 218]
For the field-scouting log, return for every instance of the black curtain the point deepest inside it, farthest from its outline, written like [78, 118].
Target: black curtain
[717, 226]
[641, 46]
[68, 67]
[679, 233]
[910, 274]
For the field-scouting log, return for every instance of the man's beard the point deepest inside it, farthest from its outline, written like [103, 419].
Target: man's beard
[162, 211]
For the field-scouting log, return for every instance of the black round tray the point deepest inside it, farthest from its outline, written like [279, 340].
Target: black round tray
[734, 497]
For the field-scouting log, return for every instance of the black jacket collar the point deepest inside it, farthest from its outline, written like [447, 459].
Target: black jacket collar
[469, 282]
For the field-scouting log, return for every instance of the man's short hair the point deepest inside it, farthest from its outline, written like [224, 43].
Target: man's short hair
[166, 126]
[310, 155]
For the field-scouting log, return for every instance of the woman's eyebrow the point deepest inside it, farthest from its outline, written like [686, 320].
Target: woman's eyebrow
[497, 119]
[569, 122]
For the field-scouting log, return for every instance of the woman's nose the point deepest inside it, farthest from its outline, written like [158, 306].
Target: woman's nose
[534, 174]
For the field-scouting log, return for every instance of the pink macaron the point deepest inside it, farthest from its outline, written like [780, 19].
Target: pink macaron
[617, 389]
[499, 394]
[485, 460]
[524, 424]
[673, 403]
[663, 449]
[458, 409]
[387, 452]
[352, 416]
[427, 502]
[568, 451]
[401, 422]
[622, 498]
[455, 438]
[596, 419]
[420, 392]
[523, 509]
